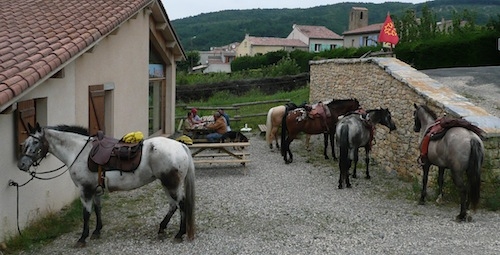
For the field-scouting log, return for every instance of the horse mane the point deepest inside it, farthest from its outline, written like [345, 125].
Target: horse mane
[428, 110]
[73, 129]
[340, 101]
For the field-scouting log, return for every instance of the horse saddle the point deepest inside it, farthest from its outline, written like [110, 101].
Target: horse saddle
[114, 154]
[438, 130]
[319, 110]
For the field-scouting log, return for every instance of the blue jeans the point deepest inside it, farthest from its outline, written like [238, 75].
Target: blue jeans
[213, 137]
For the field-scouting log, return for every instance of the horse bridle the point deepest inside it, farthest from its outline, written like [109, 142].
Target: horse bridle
[40, 153]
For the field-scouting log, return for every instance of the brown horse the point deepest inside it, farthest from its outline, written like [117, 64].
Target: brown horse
[273, 123]
[298, 121]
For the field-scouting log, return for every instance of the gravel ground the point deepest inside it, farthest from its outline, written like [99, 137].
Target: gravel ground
[274, 208]
[481, 85]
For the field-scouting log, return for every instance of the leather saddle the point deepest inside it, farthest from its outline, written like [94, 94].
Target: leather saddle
[114, 154]
[438, 130]
[319, 110]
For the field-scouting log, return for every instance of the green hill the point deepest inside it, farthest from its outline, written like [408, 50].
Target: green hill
[225, 27]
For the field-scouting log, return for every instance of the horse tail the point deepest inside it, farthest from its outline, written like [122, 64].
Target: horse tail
[269, 124]
[284, 132]
[344, 147]
[474, 172]
[190, 200]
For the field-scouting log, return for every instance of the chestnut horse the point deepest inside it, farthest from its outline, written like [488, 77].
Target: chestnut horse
[298, 121]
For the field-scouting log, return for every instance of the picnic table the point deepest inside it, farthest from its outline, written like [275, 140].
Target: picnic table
[233, 152]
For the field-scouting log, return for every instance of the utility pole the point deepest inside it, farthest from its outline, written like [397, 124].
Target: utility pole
[191, 57]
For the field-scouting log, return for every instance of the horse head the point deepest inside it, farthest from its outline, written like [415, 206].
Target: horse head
[423, 116]
[34, 148]
[386, 119]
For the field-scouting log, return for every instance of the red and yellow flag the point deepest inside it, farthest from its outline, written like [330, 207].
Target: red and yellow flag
[388, 32]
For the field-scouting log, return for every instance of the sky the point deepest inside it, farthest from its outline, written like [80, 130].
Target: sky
[178, 9]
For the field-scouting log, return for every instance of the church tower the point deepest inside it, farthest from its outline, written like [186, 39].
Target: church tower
[358, 18]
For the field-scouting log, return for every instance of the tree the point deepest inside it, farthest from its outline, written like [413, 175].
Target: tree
[192, 59]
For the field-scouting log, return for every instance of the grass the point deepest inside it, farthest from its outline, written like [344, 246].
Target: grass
[224, 98]
[45, 230]
[53, 225]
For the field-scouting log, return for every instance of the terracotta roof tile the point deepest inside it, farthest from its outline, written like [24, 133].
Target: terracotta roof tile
[36, 39]
[318, 32]
[275, 41]
[366, 29]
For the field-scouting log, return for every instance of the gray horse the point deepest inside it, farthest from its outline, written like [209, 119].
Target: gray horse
[357, 130]
[460, 149]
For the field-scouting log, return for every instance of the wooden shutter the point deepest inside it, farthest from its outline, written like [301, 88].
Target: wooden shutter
[96, 109]
[26, 113]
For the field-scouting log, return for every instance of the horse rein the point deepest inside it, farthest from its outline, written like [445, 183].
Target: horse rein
[44, 150]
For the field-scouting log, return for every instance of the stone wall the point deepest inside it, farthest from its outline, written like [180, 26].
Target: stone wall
[390, 83]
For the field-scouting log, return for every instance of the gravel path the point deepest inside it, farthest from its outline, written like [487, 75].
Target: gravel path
[288, 209]
[481, 85]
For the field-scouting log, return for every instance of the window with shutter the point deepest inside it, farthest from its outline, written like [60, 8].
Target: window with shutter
[26, 113]
[96, 109]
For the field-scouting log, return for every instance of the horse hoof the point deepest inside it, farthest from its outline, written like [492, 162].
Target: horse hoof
[95, 236]
[80, 244]
[349, 186]
[421, 202]
[326, 157]
[368, 177]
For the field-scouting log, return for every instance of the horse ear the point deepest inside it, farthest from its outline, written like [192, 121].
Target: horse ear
[38, 128]
[30, 128]
[415, 105]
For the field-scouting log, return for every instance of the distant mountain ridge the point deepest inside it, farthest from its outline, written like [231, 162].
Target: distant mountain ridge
[224, 27]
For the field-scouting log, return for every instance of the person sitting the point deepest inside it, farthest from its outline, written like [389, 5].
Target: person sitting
[226, 117]
[196, 118]
[188, 125]
[219, 127]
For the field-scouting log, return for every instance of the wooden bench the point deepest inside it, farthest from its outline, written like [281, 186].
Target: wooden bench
[220, 152]
[262, 128]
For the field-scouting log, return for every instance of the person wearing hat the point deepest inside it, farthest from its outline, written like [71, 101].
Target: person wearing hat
[219, 127]
[196, 118]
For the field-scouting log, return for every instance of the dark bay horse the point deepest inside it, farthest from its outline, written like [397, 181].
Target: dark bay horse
[164, 159]
[461, 150]
[357, 130]
[298, 121]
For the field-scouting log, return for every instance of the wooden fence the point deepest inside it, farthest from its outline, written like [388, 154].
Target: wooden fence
[234, 109]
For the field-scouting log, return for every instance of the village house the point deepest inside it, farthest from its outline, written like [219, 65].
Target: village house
[252, 45]
[318, 38]
[217, 59]
[106, 65]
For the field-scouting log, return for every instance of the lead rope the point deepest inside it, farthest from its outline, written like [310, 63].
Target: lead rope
[33, 176]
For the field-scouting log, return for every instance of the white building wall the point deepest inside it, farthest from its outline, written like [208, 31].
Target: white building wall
[39, 196]
[121, 59]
